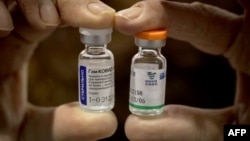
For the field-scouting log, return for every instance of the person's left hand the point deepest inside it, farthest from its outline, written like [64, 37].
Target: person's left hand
[211, 30]
[23, 24]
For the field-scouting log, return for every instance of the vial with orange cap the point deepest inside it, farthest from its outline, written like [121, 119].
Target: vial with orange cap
[148, 74]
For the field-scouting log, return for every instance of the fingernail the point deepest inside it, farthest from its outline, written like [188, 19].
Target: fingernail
[6, 26]
[131, 13]
[49, 14]
[99, 8]
[7, 29]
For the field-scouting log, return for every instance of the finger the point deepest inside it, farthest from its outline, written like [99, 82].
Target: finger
[208, 28]
[242, 99]
[6, 24]
[68, 123]
[141, 16]
[238, 53]
[179, 123]
[41, 14]
[86, 13]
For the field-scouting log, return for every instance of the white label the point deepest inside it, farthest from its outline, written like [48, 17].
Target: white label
[96, 85]
[147, 88]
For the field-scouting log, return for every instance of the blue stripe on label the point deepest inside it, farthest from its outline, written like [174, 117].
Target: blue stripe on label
[83, 84]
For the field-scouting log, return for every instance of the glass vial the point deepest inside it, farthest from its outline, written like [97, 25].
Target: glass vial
[148, 74]
[96, 71]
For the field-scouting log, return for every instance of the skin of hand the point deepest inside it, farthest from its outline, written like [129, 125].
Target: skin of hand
[211, 30]
[23, 24]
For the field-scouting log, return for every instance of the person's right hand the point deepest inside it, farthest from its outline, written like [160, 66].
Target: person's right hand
[23, 24]
[211, 30]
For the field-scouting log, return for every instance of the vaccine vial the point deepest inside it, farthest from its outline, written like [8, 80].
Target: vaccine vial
[148, 74]
[96, 71]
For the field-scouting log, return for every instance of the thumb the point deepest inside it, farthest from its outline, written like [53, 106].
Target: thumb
[179, 123]
[207, 27]
[86, 13]
[67, 123]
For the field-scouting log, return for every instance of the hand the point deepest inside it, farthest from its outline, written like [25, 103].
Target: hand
[23, 24]
[211, 30]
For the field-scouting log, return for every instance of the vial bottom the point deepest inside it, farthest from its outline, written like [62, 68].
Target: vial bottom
[143, 112]
[97, 108]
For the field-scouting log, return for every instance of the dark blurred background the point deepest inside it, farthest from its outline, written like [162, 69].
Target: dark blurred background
[193, 78]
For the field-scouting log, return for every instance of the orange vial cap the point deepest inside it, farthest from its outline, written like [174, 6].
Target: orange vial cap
[158, 34]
